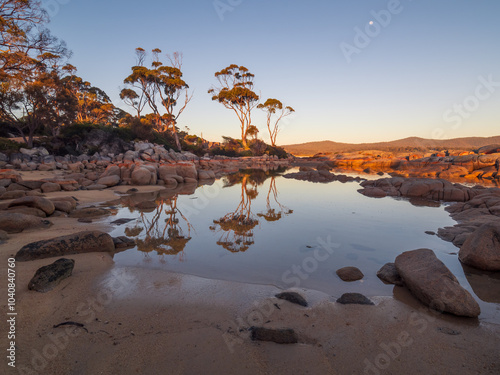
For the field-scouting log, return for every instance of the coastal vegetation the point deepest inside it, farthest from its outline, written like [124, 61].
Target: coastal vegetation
[44, 102]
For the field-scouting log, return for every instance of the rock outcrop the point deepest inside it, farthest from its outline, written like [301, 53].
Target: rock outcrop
[434, 285]
[482, 248]
[48, 277]
[78, 243]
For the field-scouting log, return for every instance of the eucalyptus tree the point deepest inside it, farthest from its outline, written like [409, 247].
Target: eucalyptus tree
[274, 107]
[37, 98]
[235, 91]
[162, 87]
[24, 40]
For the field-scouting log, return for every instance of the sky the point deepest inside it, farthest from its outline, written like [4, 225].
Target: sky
[354, 71]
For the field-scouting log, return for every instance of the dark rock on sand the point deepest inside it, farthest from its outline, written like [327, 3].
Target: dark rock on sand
[389, 274]
[48, 277]
[16, 223]
[78, 243]
[482, 248]
[350, 274]
[434, 285]
[354, 299]
[292, 297]
[279, 336]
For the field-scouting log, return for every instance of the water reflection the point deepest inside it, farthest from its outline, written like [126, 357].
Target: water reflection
[237, 226]
[167, 229]
[164, 228]
[272, 214]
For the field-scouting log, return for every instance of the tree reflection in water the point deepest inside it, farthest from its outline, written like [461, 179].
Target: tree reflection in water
[271, 214]
[164, 232]
[237, 226]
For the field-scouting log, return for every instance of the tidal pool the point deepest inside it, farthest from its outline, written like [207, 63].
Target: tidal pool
[258, 227]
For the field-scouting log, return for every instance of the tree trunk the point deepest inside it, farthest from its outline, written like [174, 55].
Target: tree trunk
[244, 137]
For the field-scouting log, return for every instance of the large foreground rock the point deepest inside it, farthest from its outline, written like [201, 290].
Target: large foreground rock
[482, 248]
[78, 243]
[433, 284]
[16, 222]
[48, 277]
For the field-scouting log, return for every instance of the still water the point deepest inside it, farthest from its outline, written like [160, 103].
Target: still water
[259, 227]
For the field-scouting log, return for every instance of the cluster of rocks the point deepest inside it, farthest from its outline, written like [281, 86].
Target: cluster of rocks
[30, 212]
[478, 230]
[321, 173]
[143, 152]
[481, 164]
[48, 277]
[102, 175]
[426, 188]
[476, 210]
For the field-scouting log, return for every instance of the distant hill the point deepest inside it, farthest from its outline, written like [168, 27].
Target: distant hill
[312, 148]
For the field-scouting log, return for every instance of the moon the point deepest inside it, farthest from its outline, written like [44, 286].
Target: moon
[371, 22]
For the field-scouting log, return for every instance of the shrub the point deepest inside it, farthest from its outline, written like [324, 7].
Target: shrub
[8, 147]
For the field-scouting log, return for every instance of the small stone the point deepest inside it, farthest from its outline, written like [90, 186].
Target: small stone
[389, 274]
[350, 274]
[278, 336]
[448, 331]
[354, 299]
[292, 297]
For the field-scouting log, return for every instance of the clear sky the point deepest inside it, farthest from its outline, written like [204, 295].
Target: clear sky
[354, 71]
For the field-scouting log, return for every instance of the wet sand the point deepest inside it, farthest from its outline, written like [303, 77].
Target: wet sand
[138, 321]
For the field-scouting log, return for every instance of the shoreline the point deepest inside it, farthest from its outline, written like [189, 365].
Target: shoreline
[198, 322]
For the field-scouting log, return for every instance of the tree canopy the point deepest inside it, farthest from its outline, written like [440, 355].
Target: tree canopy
[274, 107]
[161, 86]
[235, 91]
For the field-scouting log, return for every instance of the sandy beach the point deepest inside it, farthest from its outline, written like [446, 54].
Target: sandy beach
[124, 320]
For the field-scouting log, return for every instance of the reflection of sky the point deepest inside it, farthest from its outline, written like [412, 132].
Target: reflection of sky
[370, 232]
